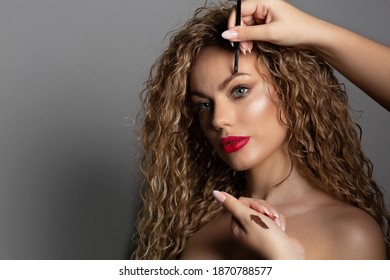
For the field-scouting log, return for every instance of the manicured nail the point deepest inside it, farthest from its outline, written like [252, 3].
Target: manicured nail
[266, 211]
[242, 50]
[276, 214]
[219, 196]
[230, 34]
[283, 226]
[277, 221]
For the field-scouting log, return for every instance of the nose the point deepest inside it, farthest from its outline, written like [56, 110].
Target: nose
[223, 115]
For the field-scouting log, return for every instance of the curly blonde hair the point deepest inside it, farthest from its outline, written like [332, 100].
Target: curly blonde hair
[180, 168]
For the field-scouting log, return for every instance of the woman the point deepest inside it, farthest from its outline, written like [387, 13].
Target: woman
[278, 133]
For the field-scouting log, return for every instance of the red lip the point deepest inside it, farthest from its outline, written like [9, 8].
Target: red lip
[232, 144]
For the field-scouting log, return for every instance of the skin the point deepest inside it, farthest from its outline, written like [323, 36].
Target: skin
[364, 62]
[234, 109]
[317, 226]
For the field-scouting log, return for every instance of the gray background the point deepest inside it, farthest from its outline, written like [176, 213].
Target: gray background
[70, 75]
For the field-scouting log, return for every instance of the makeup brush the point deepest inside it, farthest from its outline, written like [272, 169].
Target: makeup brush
[237, 44]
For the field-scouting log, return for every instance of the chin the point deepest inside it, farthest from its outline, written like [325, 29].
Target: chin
[237, 166]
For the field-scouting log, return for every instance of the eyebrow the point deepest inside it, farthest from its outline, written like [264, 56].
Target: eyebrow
[223, 85]
[198, 93]
[229, 79]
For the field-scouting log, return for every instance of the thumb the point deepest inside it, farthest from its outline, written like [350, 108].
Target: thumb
[248, 33]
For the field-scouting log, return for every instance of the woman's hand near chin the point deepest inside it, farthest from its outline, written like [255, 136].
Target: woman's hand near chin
[259, 227]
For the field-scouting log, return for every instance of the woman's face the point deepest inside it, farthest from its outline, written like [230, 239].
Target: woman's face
[237, 112]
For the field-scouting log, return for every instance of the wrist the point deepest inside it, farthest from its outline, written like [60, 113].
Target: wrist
[325, 41]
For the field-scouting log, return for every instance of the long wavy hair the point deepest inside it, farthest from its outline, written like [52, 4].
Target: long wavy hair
[180, 168]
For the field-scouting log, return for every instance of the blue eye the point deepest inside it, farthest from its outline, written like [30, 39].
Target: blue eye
[240, 91]
[201, 106]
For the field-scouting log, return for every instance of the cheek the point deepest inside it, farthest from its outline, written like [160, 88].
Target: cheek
[202, 118]
[261, 106]
[262, 118]
[260, 110]
[204, 124]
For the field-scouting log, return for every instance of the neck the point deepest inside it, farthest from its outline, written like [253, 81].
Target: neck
[260, 183]
[277, 186]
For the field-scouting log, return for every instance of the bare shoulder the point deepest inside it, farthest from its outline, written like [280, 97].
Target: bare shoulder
[349, 233]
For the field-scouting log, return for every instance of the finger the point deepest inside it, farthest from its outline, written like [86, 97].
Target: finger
[241, 210]
[246, 47]
[238, 210]
[262, 207]
[237, 229]
[232, 19]
[283, 222]
[278, 218]
[249, 33]
[249, 11]
[254, 10]
[231, 204]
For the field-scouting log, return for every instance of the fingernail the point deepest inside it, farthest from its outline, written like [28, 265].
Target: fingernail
[242, 50]
[230, 34]
[250, 51]
[266, 211]
[219, 196]
[283, 226]
[277, 221]
[276, 214]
